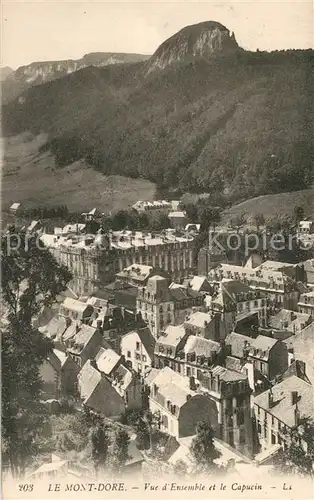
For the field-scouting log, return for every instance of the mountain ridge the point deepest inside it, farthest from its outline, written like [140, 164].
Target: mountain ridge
[39, 72]
[239, 124]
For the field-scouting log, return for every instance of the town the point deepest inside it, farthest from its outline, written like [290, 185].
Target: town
[167, 341]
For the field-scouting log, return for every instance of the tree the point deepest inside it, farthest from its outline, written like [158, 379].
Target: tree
[120, 452]
[143, 433]
[208, 217]
[259, 220]
[100, 445]
[295, 459]
[298, 213]
[180, 468]
[203, 448]
[31, 280]
[238, 221]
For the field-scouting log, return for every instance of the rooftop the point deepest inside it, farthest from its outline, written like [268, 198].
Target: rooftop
[106, 360]
[88, 379]
[172, 335]
[199, 319]
[200, 346]
[282, 407]
[237, 343]
[74, 305]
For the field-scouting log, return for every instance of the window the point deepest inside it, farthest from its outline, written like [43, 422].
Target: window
[240, 417]
[273, 438]
[188, 371]
[144, 358]
[128, 354]
[137, 345]
[242, 436]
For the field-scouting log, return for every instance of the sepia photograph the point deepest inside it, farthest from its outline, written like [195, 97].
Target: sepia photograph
[157, 249]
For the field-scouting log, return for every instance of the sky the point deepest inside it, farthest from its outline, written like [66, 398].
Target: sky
[44, 30]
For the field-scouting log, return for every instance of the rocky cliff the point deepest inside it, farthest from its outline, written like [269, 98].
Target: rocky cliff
[5, 72]
[207, 39]
[41, 72]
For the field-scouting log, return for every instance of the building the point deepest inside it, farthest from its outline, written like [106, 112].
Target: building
[55, 328]
[15, 208]
[305, 231]
[137, 347]
[94, 260]
[285, 323]
[59, 375]
[206, 325]
[76, 310]
[160, 305]
[281, 408]
[235, 299]
[267, 356]
[302, 346]
[279, 287]
[82, 342]
[309, 271]
[232, 394]
[93, 215]
[178, 219]
[107, 360]
[198, 355]
[136, 274]
[306, 303]
[109, 396]
[178, 406]
[167, 348]
[209, 258]
[152, 206]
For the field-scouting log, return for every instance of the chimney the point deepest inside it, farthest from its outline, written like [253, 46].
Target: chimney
[296, 416]
[94, 364]
[217, 383]
[270, 399]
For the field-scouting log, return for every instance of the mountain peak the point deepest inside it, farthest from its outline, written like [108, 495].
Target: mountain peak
[206, 39]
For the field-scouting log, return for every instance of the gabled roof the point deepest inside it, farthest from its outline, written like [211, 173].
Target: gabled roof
[15, 206]
[172, 335]
[282, 404]
[291, 320]
[136, 271]
[201, 347]
[228, 375]
[56, 327]
[263, 344]
[88, 379]
[121, 379]
[81, 338]
[199, 319]
[146, 337]
[75, 305]
[237, 343]
[107, 360]
[200, 283]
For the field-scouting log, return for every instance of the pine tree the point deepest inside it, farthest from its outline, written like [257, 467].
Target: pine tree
[120, 450]
[203, 448]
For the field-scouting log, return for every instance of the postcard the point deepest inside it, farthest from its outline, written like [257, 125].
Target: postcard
[157, 262]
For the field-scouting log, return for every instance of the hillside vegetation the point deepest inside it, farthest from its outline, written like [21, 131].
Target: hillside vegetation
[239, 124]
[274, 205]
[32, 177]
